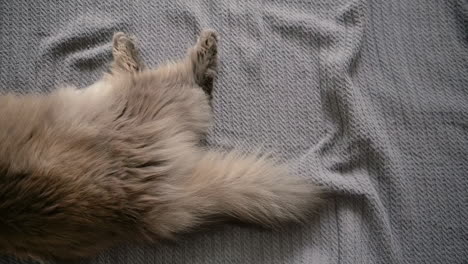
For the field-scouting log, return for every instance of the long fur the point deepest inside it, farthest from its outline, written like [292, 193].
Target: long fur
[82, 170]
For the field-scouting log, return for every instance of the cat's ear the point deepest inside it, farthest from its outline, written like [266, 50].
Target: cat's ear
[126, 55]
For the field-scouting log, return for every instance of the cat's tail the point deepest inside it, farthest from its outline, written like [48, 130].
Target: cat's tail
[250, 188]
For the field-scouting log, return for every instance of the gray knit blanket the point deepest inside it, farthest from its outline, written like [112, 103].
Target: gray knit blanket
[368, 98]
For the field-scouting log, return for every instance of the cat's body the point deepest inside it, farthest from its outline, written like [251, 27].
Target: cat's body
[81, 170]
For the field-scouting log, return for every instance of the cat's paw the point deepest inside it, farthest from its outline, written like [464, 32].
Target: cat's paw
[122, 42]
[208, 40]
[125, 53]
[206, 51]
[207, 48]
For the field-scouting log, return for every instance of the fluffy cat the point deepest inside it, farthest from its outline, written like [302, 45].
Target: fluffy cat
[82, 170]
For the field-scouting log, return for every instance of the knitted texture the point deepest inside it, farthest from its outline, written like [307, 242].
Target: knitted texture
[367, 97]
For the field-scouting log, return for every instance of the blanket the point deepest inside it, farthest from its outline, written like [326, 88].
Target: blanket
[367, 98]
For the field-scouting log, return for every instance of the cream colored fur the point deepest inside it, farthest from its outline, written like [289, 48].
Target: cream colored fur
[82, 170]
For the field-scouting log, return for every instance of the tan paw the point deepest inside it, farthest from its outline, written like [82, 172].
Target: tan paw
[125, 54]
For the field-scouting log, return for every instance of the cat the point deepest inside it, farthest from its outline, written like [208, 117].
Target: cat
[84, 169]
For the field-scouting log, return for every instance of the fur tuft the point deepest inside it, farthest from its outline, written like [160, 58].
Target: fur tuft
[253, 188]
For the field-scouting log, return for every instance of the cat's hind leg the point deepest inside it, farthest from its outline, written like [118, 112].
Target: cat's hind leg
[204, 59]
[126, 57]
[198, 67]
